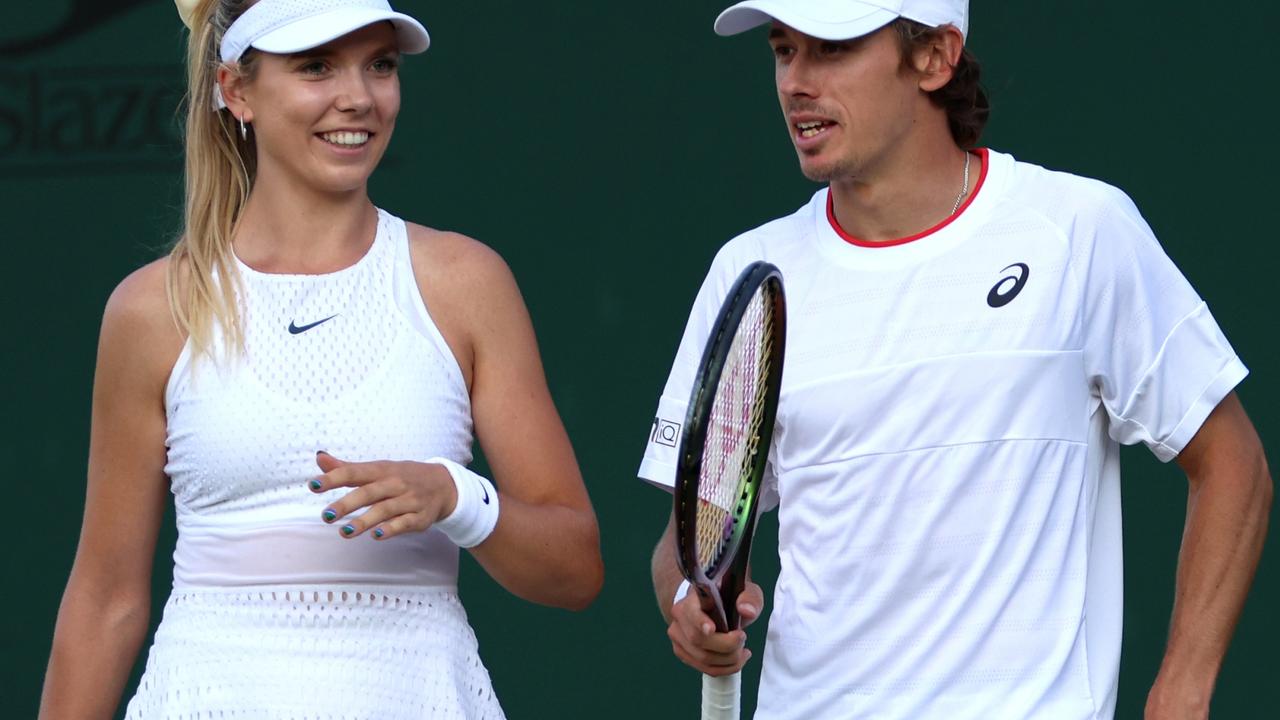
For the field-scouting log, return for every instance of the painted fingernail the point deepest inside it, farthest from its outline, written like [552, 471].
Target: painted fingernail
[378, 533]
[315, 484]
[348, 529]
[329, 515]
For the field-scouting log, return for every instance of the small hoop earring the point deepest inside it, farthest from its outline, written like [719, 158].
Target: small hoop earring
[244, 130]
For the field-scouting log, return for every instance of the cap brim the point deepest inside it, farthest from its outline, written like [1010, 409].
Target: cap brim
[317, 30]
[846, 21]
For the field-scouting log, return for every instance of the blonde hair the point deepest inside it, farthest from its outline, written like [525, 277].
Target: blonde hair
[202, 280]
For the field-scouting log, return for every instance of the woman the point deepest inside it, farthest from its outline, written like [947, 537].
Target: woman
[304, 373]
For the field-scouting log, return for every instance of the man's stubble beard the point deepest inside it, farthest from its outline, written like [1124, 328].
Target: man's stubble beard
[842, 168]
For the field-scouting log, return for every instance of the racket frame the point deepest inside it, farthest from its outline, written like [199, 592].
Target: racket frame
[719, 585]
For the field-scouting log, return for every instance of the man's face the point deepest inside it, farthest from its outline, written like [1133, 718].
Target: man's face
[846, 102]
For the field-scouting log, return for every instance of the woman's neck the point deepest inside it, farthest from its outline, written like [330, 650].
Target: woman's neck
[286, 228]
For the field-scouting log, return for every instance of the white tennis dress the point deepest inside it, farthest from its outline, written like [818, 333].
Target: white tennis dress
[273, 614]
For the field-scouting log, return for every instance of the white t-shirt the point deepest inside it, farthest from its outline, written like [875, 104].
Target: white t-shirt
[945, 462]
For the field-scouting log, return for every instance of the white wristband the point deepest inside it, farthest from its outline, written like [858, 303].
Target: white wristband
[476, 513]
[681, 592]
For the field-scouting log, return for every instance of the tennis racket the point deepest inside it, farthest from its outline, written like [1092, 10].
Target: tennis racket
[722, 456]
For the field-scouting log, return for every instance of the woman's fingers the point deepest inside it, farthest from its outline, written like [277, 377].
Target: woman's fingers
[378, 513]
[328, 462]
[400, 525]
[364, 496]
[338, 473]
[398, 497]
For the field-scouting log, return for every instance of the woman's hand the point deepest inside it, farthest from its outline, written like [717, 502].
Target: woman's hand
[401, 497]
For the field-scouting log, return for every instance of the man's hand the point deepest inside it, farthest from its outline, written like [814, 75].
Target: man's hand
[1166, 702]
[695, 641]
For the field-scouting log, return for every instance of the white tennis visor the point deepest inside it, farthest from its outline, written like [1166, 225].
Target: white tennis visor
[290, 26]
[841, 19]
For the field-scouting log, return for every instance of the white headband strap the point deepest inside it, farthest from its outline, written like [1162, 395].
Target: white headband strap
[267, 16]
[288, 26]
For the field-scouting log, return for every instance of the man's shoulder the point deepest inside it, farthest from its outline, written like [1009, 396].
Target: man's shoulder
[780, 236]
[1086, 212]
[1060, 193]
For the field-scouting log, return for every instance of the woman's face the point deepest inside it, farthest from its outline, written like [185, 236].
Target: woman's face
[323, 117]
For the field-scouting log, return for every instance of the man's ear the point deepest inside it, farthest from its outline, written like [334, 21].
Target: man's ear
[936, 62]
[231, 82]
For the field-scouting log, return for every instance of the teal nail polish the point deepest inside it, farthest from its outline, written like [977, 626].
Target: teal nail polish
[329, 515]
[378, 533]
[314, 484]
[348, 529]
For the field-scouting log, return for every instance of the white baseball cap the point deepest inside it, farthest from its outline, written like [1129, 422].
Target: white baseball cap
[841, 19]
[289, 26]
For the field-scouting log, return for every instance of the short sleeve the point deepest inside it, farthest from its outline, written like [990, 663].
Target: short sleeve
[1155, 356]
[658, 466]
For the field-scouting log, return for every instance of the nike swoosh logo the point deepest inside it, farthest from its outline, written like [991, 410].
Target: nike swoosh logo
[485, 490]
[297, 329]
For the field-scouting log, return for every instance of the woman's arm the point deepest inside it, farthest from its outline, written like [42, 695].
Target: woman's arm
[546, 546]
[105, 610]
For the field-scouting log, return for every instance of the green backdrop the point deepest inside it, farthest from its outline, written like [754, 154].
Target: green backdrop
[606, 150]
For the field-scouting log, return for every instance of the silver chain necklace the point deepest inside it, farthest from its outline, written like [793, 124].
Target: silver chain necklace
[964, 190]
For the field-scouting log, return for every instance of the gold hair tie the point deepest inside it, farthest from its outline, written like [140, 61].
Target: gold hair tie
[185, 9]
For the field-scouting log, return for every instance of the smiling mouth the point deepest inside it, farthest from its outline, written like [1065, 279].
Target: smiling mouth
[813, 128]
[347, 139]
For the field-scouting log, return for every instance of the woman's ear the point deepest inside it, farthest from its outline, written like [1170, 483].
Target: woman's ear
[232, 84]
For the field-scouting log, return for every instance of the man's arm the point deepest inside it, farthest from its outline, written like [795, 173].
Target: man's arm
[1228, 505]
[692, 632]
[666, 576]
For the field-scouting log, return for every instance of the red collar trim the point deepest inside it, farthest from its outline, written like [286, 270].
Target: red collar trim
[831, 214]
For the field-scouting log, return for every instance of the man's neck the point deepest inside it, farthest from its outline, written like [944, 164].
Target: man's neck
[903, 195]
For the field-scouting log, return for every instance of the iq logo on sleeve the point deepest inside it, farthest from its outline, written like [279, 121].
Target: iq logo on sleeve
[665, 432]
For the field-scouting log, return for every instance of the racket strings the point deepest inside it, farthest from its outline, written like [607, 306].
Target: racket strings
[733, 433]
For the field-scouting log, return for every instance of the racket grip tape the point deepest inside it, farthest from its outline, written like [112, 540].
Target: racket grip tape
[721, 697]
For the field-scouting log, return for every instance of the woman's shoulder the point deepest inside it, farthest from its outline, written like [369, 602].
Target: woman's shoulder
[452, 254]
[467, 287]
[141, 299]
[452, 249]
[138, 314]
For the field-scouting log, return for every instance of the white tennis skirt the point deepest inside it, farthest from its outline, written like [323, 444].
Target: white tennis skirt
[329, 653]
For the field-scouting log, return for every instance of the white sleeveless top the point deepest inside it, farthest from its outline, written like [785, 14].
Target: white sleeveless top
[348, 362]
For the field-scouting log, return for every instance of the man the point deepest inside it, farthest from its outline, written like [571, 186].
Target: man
[970, 339]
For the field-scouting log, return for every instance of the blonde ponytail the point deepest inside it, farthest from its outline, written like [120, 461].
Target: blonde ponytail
[202, 281]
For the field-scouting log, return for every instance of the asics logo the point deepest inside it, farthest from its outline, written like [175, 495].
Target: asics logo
[1009, 286]
[295, 329]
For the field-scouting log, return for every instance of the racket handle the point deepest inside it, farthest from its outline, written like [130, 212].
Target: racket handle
[721, 697]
